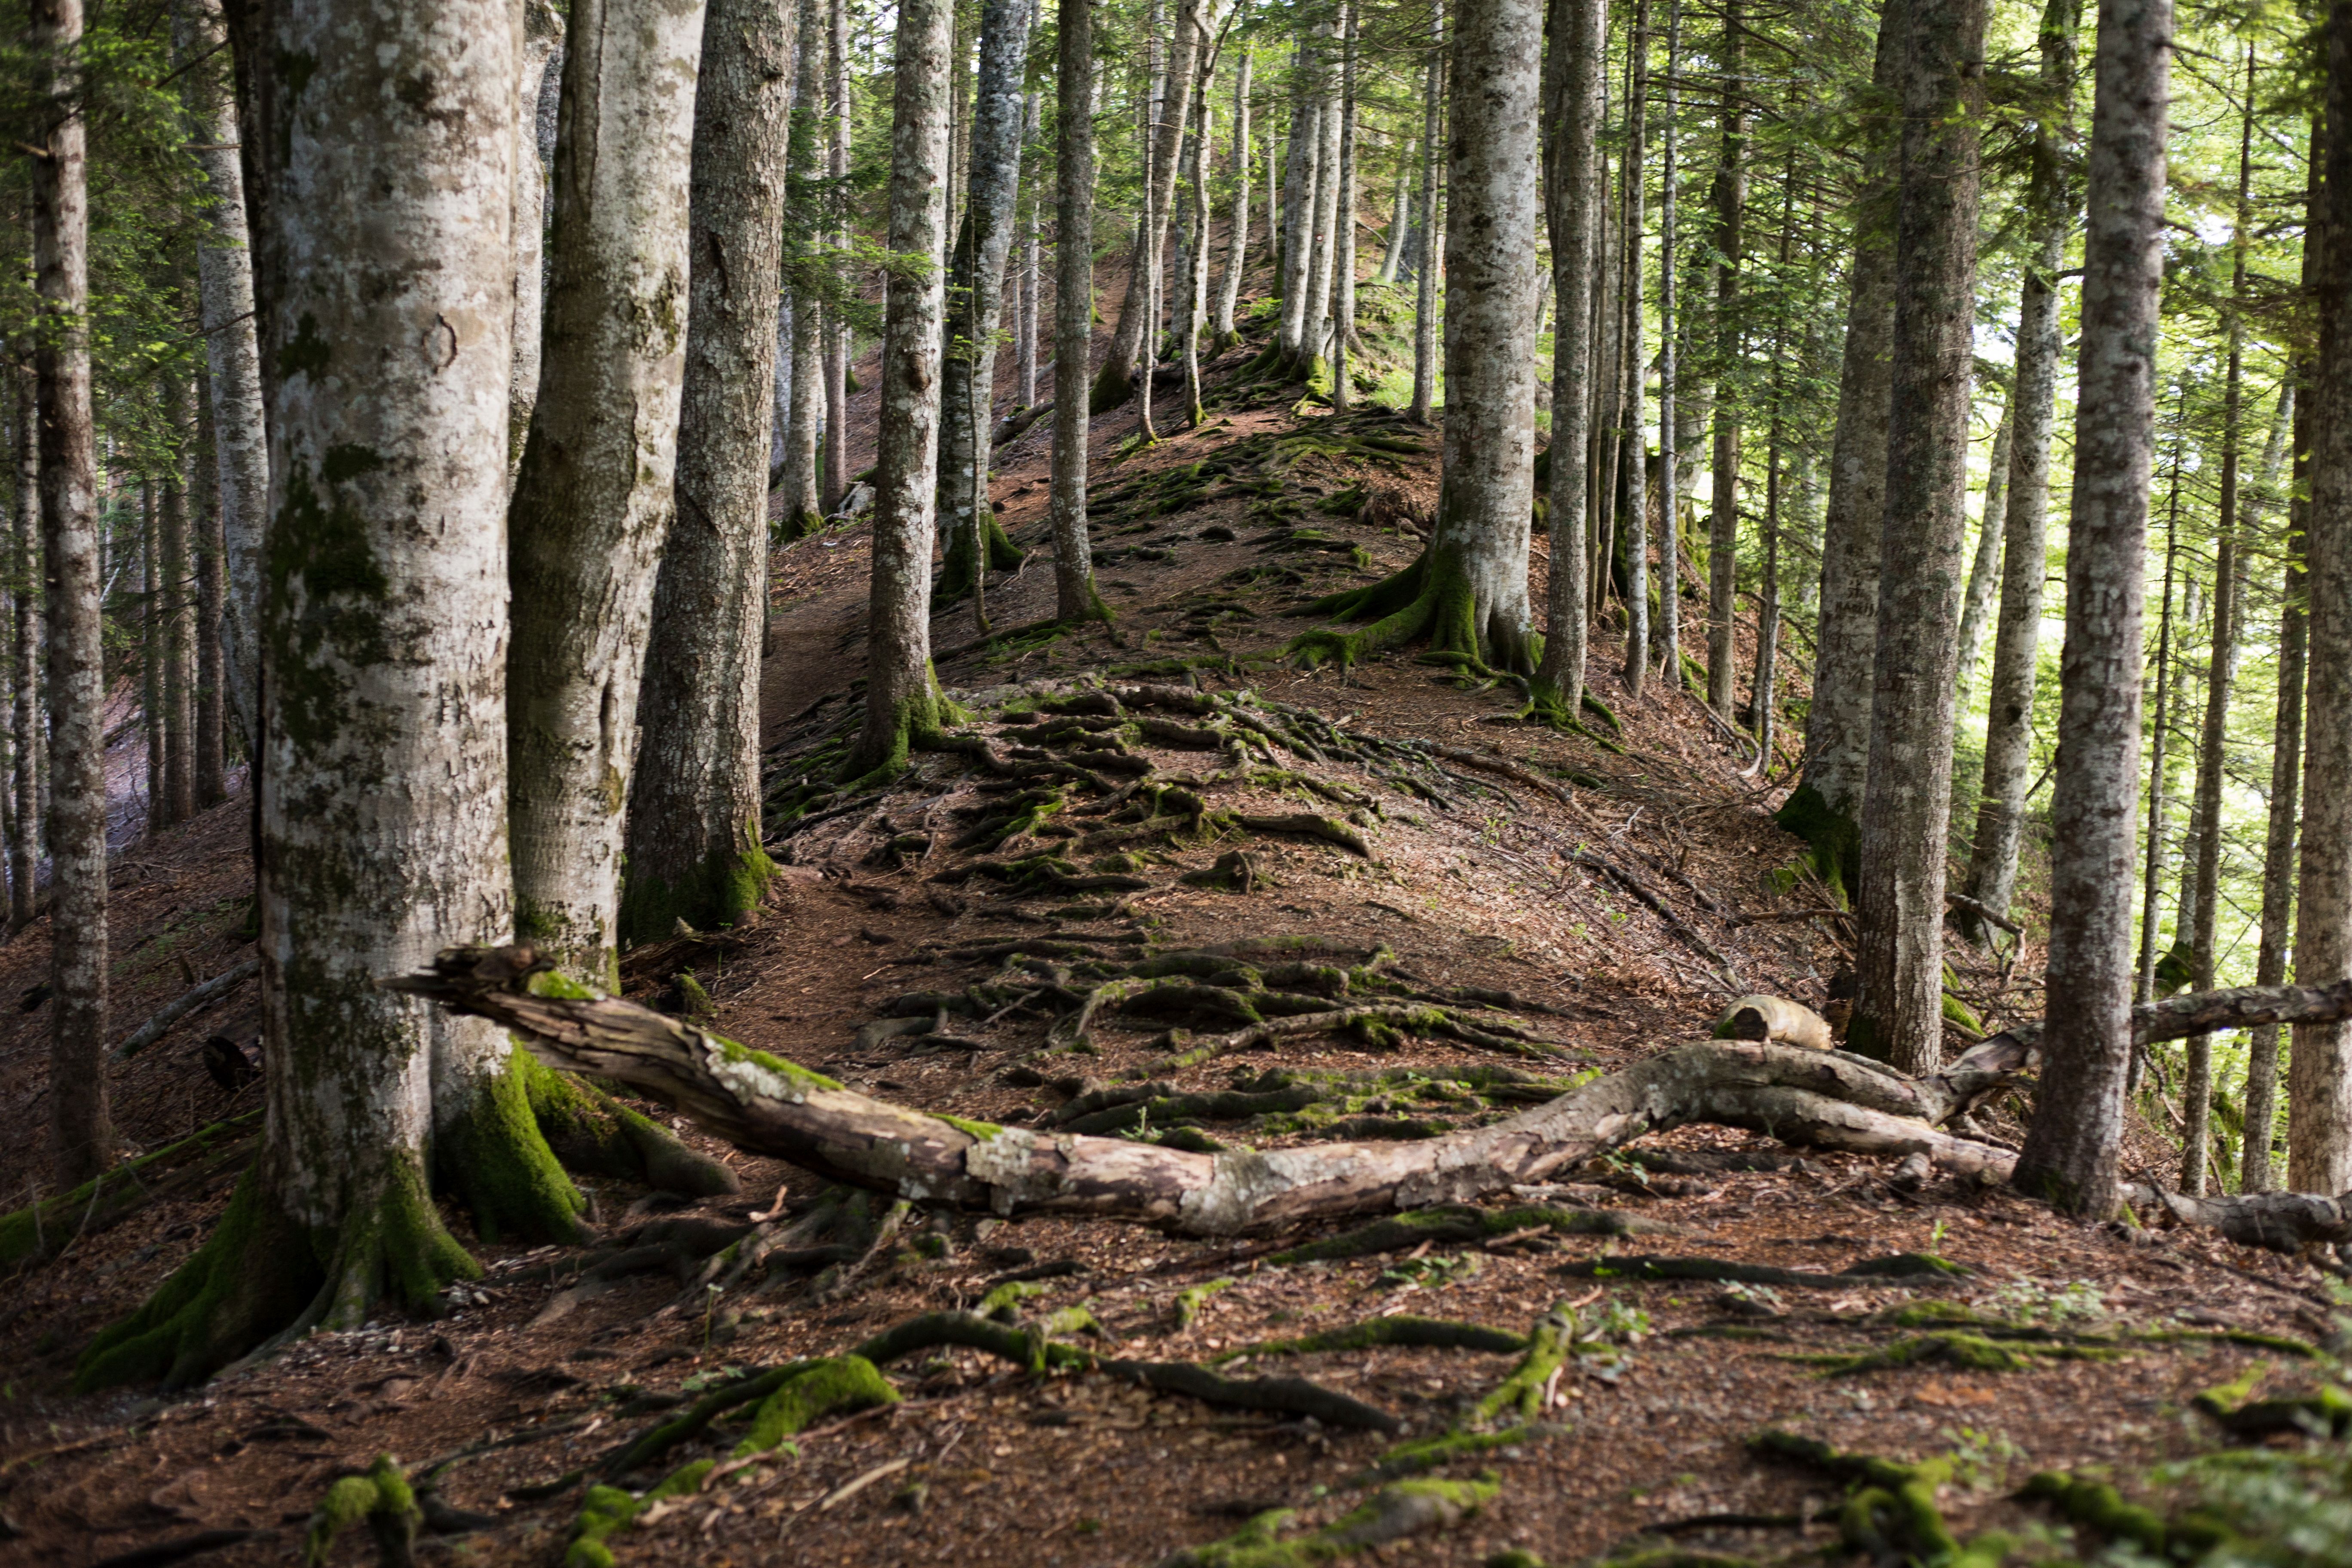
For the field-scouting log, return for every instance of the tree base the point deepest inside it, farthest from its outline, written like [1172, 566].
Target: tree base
[712, 895]
[1833, 840]
[1432, 596]
[956, 574]
[595, 1135]
[791, 529]
[1113, 385]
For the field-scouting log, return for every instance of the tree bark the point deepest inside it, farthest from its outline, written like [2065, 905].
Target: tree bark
[25, 578]
[2159, 771]
[1730, 203]
[1076, 598]
[1906, 802]
[694, 814]
[975, 305]
[232, 346]
[1576, 52]
[1343, 235]
[2320, 1082]
[1426, 265]
[1229, 289]
[81, 1126]
[542, 39]
[1632, 495]
[596, 501]
[150, 659]
[1984, 568]
[1824, 808]
[1666, 649]
[2259, 1174]
[901, 698]
[1323, 252]
[1024, 363]
[175, 632]
[1137, 323]
[1196, 255]
[803, 500]
[1293, 249]
[2071, 1146]
[837, 331]
[2025, 550]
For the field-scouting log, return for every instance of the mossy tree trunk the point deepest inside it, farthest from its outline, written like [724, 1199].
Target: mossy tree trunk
[694, 813]
[1075, 596]
[2071, 1148]
[975, 300]
[594, 501]
[81, 1127]
[1729, 198]
[1574, 61]
[1468, 591]
[901, 698]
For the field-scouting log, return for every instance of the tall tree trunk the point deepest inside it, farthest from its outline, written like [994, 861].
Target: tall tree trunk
[1401, 221]
[1906, 804]
[2159, 771]
[1632, 496]
[542, 39]
[1574, 59]
[596, 498]
[1665, 648]
[1469, 590]
[1343, 236]
[211, 767]
[1195, 306]
[1229, 289]
[1076, 598]
[837, 329]
[1024, 359]
[81, 1126]
[1730, 203]
[384, 626]
[1425, 269]
[1323, 251]
[1137, 325]
[901, 698]
[1294, 247]
[803, 500]
[232, 346]
[975, 305]
[172, 631]
[1824, 808]
[151, 659]
[1764, 686]
[2319, 1081]
[1984, 568]
[693, 830]
[25, 578]
[2025, 550]
[2070, 1148]
[2260, 1174]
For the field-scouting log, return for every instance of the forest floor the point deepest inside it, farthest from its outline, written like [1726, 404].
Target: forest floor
[1463, 876]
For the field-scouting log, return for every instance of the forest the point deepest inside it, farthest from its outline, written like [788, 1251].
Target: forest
[1626, 839]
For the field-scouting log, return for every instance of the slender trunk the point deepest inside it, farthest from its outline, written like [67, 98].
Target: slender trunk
[2025, 551]
[901, 700]
[1075, 596]
[1604, 435]
[1196, 256]
[1401, 220]
[595, 499]
[2158, 767]
[1984, 568]
[1666, 628]
[1297, 205]
[1343, 236]
[150, 659]
[1144, 274]
[975, 306]
[81, 1127]
[211, 764]
[837, 331]
[1229, 289]
[1824, 809]
[1577, 47]
[543, 36]
[1906, 803]
[232, 347]
[25, 579]
[1324, 251]
[1634, 493]
[172, 630]
[1024, 355]
[1730, 203]
[803, 500]
[693, 828]
[1763, 688]
[2260, 1174]
[1138, 327]
[1424, 305]
[2319, 1084]
[2070, 1148]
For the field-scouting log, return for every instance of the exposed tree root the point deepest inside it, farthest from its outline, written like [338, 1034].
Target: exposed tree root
[1408, 1508]
[1902, 1269]
[382, 1499]
[1420, 1333]
[1459, 1226]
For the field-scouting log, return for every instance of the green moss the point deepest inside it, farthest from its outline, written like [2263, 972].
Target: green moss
[799, 1077]
[2100, 1506]
[1956, 1348]
[1395, 1510]
[609, 1509]
[35, 1230]
[983, 1130]
[955, 579]
[1833, 840]
[492, 1157]
[837, 1384]
[1431, 596]
[715, 894]
[382, 1499]
[592, 1133]
[1411, 1459]
[1958, 1012]
[1003, 1303]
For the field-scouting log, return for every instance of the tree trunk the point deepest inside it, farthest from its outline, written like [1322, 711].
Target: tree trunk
[1343, 237]
[1632, 495]
[1323, 266]
[975, 304]
[1137, 325]
[210, 766]
[543, 37]
[1824, 808]
[81, 1127]
[2070, 1148]
[2025, 550]
[1298, 178]
[1665, 647]
[1763, 691]
[1195, 305]
[1425, 266]
[384, 646]
[1730, 203]
[2320, 1082]
[1984, 569]
[174, 633]
[1076, 598]
[2260, 1174]
[901, 698]
[837, 329]
[803, 500]
[1229, 289]
[694, 816]
[25, 576]
[150, 659]
[2159, 773]
[1024, 359]
[232, 346]
[1401, 220]
[1576, 50]
[594, 501]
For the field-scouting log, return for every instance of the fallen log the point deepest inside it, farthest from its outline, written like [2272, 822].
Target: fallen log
[772, 1106]
[187, 1002]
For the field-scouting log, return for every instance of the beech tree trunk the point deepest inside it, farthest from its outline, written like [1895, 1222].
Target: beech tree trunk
[151, 659]
[693, 840]
[2071, 1146]
[174, 635]
[1632, 496]
[1138, 324]
[1343, 234]
[901, 698]
[1293, 250]
[594, 501]
[837, 331]
[232, 345]
[542, 39]
[1024, 361]
[211, 693]
[975, 306]
[1425, 266]
[2025, 549]
[1229, 287]
[81, 1126]
[25, 578]
[1666, 628]
[2259, 1174]
[1324, 254]
[1075, 596]
[1984, 567]
[804, 421]
[1906, 802]
[1574, 59]
[2319, 1079]
[1730, 203]
[1826, 806]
